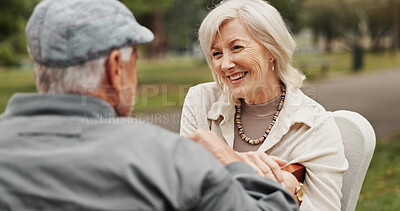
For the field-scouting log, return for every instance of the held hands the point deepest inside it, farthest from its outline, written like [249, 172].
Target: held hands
[270, 167]
[263, 164]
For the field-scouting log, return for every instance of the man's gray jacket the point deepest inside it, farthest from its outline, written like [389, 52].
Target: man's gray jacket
[70, 152]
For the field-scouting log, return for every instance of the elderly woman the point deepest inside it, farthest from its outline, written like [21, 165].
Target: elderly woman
[255, 103]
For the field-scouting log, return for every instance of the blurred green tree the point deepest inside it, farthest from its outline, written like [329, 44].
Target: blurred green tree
[182, 31]
[151, 13]
[322, 18]
[182, 22]
[395, 6]
[350, 19]
[290, 10]
[380, 24]
[12, 22]
[334, 19]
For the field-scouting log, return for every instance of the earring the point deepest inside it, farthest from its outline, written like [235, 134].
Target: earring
[273, 67]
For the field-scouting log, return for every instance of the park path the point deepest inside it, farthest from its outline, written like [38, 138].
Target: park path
[375, 95]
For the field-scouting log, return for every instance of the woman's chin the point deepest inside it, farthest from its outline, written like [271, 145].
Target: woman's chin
[238, 94]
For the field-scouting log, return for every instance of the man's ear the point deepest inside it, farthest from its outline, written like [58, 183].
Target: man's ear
[114, 70]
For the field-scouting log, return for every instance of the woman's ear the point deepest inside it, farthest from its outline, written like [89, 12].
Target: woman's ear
[271, 57]
[114, 70]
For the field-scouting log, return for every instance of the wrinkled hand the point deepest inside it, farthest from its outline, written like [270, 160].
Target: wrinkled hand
[215, 145]
[290, 182]
[264, 165]
[270, 167]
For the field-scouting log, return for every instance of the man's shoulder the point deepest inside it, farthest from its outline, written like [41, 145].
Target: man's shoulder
[130, 127]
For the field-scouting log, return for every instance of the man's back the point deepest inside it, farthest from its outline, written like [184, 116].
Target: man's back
[59, 152]
[69, 161]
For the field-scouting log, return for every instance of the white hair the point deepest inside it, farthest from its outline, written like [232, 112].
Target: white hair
[84, 78]
[266, 26]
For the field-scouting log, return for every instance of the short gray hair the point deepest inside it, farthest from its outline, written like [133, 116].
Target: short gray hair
[84, 78]
[266, 26]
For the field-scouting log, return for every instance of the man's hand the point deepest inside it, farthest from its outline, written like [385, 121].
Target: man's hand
[215, 145]
[264, 165]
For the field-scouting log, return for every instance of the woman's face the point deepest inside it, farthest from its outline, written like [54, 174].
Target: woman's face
[242, 63]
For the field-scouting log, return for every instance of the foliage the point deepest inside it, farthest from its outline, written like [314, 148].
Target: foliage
[182, 32]
[380, 24]
[12, 49]
[151, 13]
[142, 8]
[323, 18]
[289, 10]
[175, 22]
[350, 19]
[11, 21]
[14, 15]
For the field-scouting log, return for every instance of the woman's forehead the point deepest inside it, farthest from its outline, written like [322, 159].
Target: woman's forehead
[231, 31]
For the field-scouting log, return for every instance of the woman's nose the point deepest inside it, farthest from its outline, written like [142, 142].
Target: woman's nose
[227, 63]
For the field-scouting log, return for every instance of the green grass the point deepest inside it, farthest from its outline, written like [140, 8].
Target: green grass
[174, 71]
[381, 188]
[163, 84]
[312, 65]
[12, 81]
[160, 96]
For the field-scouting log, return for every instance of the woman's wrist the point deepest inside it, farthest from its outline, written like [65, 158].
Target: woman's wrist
[299, 193]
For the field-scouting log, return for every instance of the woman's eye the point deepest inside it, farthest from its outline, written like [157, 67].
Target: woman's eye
[237, 47]
[216, 54]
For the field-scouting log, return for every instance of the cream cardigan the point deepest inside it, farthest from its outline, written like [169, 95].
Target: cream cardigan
[303, 133]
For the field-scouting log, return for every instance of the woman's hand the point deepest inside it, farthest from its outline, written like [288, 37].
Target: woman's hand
[290, 182]
[264, 165]
[270, 167]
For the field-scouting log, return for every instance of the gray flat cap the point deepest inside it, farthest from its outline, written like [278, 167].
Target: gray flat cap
[62, 33]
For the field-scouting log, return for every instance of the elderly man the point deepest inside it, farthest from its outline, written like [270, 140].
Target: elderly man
[66, 148]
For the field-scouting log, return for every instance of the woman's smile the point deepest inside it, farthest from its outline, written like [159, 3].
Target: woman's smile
[237, 77]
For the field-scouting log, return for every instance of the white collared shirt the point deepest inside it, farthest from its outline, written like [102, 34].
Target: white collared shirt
[303, 133]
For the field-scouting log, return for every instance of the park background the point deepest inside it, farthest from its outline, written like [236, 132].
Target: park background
[348, 49]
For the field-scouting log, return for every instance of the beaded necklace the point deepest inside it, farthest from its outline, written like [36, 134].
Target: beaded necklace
[260, 140]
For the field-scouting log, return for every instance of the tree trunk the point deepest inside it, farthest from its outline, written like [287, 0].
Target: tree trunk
[328, 44]
[396, 25]
[157, 48]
